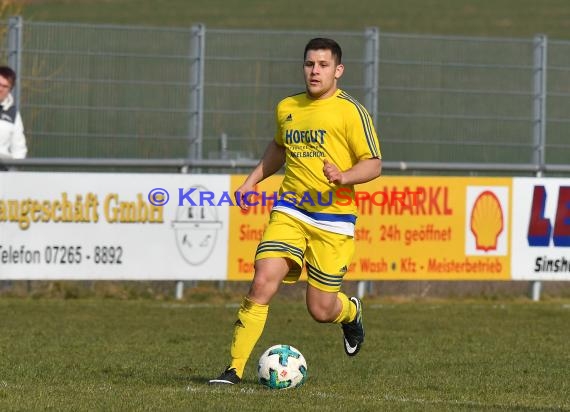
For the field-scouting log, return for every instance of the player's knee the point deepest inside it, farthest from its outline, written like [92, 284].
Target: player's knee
[320, 313]
[262, 288]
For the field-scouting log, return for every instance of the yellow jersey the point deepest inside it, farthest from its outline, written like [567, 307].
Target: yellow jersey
[338, 129]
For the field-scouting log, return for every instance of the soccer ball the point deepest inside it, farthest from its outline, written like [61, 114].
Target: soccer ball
[282, 367]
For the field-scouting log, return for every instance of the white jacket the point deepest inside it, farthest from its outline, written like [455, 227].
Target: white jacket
[12, 139]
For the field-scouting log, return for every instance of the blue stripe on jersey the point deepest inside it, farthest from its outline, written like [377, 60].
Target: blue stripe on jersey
[366, 123]
[329, 217]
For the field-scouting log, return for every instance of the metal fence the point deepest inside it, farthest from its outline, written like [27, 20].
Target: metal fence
[100, 91]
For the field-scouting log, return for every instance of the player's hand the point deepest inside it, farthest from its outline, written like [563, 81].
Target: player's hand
[332, 173]
[243, 196]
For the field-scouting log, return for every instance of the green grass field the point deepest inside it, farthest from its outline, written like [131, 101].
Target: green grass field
[96, 354]
[511, 18]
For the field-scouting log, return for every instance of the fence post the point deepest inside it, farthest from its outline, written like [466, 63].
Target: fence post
[539, 121]
[371, 57]
[195, 126]
[196, 106]
[179, 289]
[539, 100]
[15, 25]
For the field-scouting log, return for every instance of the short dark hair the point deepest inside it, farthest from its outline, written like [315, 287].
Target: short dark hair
[321, 43]
[8, 74]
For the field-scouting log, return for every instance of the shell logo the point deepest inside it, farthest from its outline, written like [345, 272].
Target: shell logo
[487, 221]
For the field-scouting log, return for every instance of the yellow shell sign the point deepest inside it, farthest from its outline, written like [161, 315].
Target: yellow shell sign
[487, 221]
[435, 228]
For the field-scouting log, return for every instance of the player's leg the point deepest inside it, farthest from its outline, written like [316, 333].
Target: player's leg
[328, 257]
[279, 255]
[329, 307]
[268, 276]
[252, 315]
[335, 307]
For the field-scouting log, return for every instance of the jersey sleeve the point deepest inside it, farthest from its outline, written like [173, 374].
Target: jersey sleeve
[361, 135]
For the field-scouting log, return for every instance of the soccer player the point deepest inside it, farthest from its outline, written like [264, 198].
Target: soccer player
[327, 142]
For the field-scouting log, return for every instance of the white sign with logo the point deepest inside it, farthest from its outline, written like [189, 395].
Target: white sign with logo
[541, 229]
[113, 226]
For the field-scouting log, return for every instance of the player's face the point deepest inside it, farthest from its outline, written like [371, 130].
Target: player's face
[5, 88]
[321, 73]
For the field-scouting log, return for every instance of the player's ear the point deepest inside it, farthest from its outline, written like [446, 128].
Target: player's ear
[339, 70]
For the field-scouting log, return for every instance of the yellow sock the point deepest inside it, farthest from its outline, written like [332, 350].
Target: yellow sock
[348, 311]
[247, 330]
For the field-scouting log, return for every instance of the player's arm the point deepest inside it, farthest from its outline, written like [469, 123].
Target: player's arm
[363, 171]
[273, 159]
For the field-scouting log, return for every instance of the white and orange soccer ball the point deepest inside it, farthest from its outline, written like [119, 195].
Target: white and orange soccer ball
[282, 367]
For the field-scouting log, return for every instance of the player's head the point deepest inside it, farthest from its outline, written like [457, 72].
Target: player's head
[322, 67]
[321, 43]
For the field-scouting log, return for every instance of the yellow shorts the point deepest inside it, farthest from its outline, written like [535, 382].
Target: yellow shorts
[327, 255]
